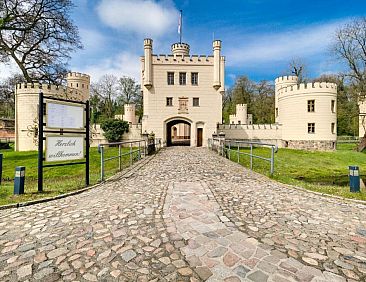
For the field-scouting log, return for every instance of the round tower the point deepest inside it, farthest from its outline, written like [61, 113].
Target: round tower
[130, 113]
[79, 82]
[282, 82]
[148, 62]
[180, 49]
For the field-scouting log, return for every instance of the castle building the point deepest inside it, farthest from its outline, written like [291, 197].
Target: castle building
[182, 89]
[305, 114]
[27, 99]
[241, 116]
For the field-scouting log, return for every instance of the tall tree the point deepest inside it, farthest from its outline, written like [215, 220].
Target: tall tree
[350, 46]
[129, 92]
[264, 100]
[38, 36]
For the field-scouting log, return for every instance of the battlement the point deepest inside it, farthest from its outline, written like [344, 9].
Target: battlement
[148, 42]
[241, 106]
[216, 44]
[286, 78]
[180, 46]
[309, 88]
[76, 75]
[193, 59]
[48, 89]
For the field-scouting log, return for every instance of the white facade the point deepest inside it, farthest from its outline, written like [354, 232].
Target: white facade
[169, 100]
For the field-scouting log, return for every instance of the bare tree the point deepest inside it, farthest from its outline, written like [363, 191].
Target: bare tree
[297, 67]
[106, 91]
[38, 36]
[7, 103]
[350, 46]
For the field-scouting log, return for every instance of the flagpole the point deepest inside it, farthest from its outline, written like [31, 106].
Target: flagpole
[181, 23]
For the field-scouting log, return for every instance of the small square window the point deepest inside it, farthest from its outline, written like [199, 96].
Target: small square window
[170, 78]
[169, 101]
[333, 106]
[194, 78]
[196, 102]
[182, 78]
[311, 127]
[333, 128]
[311, 106]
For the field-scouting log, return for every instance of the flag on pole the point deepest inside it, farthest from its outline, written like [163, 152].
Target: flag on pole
[180, 23]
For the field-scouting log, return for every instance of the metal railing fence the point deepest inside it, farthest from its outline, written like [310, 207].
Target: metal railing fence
[225, 147]
[139, 147]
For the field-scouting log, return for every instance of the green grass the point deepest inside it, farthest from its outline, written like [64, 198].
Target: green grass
[325, 172]
[57, 180]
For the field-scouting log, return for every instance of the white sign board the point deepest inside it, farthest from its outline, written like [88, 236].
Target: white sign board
[64, 116]
[64, 148]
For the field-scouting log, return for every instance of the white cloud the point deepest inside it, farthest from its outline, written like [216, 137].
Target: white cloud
[124, 63]
[7, 70]
[299, 43]
[92, 39]
[145, 17]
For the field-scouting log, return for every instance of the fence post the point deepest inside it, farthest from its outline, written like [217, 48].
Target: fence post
[119, 157]
[251, 156]
[101, 163]
[139, 156]
[130, 154]
[272, 160]
[1, 167]
[238, 153]
[229, 150]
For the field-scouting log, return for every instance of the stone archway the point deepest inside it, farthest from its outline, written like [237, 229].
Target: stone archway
[182, 132]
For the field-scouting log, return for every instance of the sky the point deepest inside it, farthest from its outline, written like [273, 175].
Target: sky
[259, 37]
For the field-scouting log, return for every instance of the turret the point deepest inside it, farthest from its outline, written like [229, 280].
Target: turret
[282, 82]
[148, 63]
[222, 74]
[130, 113]
[217, 57]
[80, 82]
[180, 49]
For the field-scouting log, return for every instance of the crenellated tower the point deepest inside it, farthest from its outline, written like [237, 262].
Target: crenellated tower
[81, 82]
[282, 82]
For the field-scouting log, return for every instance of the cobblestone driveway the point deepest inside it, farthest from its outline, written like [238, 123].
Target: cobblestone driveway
[186, 215]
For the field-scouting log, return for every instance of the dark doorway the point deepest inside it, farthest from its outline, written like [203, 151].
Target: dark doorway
[199, 137]
[178, 133]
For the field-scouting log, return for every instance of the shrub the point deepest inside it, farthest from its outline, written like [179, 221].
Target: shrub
[114, 129]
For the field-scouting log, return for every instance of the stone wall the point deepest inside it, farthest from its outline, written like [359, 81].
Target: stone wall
[310, 145]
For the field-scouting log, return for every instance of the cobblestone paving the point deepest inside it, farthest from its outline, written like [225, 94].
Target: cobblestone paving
[186, 215]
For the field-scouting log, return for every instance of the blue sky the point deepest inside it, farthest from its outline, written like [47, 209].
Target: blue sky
[260, 37]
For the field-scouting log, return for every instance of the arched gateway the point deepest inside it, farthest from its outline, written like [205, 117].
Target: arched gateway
[178, 132]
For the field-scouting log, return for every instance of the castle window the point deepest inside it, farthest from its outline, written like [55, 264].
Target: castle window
[276, 112]
[333, 127]
[333, 106]
[311, 127]
[71, 84]
[82, 85]
[77, 84]
[182, 78]
[170, 78]
[196, 102]
[169, 101]
[194, 78]
[311, 106]
[239, 121]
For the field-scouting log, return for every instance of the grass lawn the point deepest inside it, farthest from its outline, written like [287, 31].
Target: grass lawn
[57, 180]
[325, 172]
